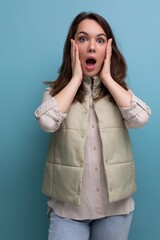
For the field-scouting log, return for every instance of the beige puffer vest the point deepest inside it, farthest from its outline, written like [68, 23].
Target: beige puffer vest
[65, 162]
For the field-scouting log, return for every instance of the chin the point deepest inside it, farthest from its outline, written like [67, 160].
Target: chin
[91, 74]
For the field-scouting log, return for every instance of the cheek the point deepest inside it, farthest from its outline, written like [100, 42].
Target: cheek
[103, 54]
[101, 58]
[80, 48]
[81, 52]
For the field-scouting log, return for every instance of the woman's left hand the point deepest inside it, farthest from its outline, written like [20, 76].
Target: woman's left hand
[106, 69]
[121, 96]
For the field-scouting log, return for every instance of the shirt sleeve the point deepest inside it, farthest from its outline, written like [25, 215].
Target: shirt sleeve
[137, 115]
[48, 114]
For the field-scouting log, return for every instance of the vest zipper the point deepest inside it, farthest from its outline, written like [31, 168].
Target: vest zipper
[91, 94]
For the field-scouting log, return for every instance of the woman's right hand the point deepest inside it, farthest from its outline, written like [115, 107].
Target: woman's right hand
[77, 72]
[66, 96]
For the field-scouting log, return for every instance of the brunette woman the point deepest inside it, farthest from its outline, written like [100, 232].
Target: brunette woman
[89, 174]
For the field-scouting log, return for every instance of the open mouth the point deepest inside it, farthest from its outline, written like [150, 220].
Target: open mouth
[90, 62]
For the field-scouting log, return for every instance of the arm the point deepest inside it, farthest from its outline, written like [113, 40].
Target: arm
[137, 115]
[53, 110]
[48, 114]
[134, 111]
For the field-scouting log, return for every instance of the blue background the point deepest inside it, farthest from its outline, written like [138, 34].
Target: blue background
[31, 43]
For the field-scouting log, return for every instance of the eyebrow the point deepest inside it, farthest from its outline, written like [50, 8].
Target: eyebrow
[100, 34]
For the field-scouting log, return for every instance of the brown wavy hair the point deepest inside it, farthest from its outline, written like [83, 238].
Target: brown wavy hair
[118, 64]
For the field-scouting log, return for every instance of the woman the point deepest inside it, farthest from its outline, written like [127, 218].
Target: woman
[89, 174]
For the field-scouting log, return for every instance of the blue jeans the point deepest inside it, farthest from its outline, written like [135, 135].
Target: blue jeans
[108, 228]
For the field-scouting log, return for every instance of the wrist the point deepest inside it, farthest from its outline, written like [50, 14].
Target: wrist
[106, 80]
[76, 81]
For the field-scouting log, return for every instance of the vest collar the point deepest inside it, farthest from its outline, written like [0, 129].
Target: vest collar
[94, 81]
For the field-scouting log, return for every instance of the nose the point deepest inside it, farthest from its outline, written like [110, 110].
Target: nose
[91, 46]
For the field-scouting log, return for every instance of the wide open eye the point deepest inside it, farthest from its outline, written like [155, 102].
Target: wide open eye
[100, 40]
[82, 39]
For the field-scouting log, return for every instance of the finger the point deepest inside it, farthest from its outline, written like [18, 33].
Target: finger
[109, 48]
[72, 50]
[76, 52]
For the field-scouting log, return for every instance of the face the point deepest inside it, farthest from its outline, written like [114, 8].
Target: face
[91, 41]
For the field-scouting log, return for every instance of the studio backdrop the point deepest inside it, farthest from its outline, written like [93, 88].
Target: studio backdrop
[31, 44]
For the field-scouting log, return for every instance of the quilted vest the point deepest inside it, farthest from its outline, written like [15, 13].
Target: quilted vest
[65, 161]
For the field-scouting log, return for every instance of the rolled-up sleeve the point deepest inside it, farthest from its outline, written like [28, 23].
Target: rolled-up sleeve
[137, 115]
[48, 114]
